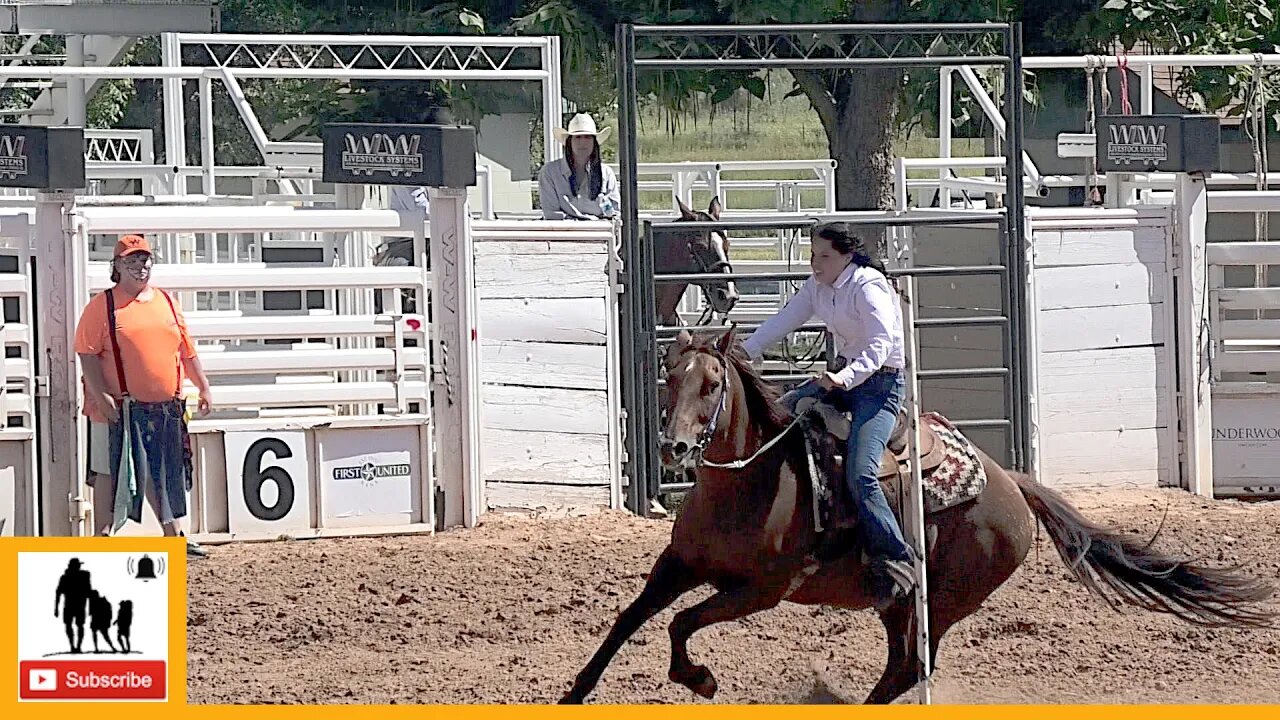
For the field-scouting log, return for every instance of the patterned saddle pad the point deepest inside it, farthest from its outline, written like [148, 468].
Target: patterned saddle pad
[958, 476]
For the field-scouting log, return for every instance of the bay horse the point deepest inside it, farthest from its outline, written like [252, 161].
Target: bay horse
[692, 251]
[749, 532]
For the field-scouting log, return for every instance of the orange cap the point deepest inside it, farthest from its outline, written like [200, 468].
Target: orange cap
[130, 244]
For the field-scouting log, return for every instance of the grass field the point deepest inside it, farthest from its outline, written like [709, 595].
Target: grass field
[745, 128]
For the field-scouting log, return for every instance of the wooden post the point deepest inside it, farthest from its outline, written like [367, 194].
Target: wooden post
[61, 444]
[456, 347]
[1195, 418]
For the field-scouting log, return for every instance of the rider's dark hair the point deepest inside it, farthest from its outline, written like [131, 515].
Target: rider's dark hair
[595, 176]
[846, 241]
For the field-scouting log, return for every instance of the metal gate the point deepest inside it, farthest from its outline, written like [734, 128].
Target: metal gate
[996, 330]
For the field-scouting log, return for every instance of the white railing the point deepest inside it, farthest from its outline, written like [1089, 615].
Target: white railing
[681, 179]
[1245, 342]
[1035, 182]
[232, 58]
[333, 365]
[17, 379]
[118, 146]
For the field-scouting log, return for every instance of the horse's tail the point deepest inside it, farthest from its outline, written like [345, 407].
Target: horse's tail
[1102, 560]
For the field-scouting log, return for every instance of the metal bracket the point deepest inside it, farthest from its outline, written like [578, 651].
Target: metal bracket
[41, 385]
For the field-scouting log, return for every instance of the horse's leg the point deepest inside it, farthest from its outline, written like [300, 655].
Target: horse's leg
[901, 671]
[721, 607]
[669, 579]
[904, 659]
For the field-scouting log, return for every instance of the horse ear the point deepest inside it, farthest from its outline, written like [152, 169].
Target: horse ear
[684, 339]
[685, 212]
[714, 208]
[726, 340]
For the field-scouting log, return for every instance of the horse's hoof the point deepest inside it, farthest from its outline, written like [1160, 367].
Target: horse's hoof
[698, 679]
[573, 697]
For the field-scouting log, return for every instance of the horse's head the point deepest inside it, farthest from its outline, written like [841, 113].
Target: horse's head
[698, 378]
[699, 251]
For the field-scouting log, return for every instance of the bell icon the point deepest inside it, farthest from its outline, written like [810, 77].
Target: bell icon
[146, 569]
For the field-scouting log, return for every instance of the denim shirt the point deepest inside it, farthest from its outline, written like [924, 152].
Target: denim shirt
[558, 201]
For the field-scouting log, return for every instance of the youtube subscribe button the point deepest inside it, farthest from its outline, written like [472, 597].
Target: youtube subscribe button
[92, 680]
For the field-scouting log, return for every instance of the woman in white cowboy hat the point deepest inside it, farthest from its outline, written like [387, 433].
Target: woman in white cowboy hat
[578, 186]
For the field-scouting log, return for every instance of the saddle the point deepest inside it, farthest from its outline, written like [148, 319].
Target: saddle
[949, 464]
[894, 461]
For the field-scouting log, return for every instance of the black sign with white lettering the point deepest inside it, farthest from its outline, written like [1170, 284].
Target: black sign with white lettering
[42, 158]
[1163, 143]
[380, 154]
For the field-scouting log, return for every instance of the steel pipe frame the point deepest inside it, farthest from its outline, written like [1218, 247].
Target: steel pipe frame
[639, 310]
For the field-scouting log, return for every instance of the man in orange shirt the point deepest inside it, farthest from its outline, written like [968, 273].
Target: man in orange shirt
[133, 387]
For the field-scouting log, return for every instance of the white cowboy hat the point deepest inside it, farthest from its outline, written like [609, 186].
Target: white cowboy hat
[581, 124]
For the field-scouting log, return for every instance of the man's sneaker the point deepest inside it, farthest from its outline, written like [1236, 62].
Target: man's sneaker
[194, 549]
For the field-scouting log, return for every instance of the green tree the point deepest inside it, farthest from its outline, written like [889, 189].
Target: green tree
[862, 112]
[1202, 27]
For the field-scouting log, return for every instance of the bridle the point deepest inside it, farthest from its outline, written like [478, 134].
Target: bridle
[708, 268]
[709, 430]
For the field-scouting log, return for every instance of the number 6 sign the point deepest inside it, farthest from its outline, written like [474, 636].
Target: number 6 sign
[268, 482]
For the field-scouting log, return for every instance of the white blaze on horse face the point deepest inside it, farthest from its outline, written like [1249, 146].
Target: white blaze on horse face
[722, 254]
[691, 407]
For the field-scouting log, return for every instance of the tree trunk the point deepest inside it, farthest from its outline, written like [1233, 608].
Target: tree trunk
[858, 109]
[861, 134]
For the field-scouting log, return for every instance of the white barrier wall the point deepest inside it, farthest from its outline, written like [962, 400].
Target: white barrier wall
[1245, 334]
[18, 509]
[550, 389]
[322, 421]
[1105, 391]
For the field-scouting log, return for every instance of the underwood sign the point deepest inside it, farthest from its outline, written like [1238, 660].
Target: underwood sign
[42, 158]
[1164, 143]
[379, 154]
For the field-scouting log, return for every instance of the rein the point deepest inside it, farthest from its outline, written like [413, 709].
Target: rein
[708, 432]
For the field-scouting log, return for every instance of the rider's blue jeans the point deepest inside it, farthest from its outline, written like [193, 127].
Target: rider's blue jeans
[874, 404]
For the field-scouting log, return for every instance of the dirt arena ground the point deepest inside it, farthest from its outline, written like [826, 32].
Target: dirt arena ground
[508, 613]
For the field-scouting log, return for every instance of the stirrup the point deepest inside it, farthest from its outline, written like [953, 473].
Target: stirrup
[891, 581]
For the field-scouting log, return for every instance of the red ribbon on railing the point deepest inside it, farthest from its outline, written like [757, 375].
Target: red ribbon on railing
[1122, 62]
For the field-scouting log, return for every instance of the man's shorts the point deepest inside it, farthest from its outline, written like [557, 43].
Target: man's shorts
[99, 448]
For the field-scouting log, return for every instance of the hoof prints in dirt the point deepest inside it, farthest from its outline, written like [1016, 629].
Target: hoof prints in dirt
[510, 611]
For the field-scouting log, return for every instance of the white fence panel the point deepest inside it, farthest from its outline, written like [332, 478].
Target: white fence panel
[1105, 395]
[550, 390]
[1246, 355]
[322, 415]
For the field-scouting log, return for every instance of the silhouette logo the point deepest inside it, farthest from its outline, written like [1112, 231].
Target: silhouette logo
[107, 635]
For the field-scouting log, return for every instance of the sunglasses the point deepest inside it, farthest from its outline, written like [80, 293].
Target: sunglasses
[137, 260]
